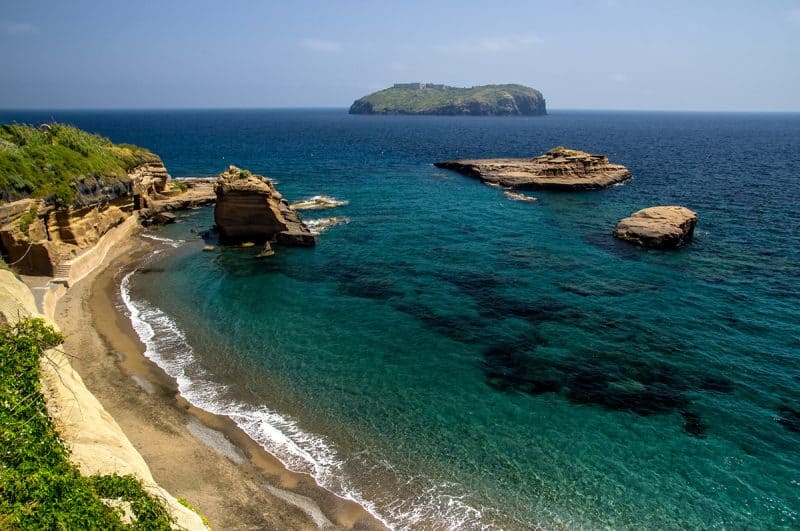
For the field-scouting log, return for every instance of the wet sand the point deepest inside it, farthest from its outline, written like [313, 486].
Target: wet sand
[201, 457]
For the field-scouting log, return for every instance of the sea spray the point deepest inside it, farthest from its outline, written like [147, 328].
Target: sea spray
[320, 225]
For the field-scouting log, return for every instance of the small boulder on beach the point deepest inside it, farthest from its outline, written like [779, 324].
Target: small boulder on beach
[659, 227]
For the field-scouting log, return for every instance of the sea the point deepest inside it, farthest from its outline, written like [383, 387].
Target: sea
[454, 359]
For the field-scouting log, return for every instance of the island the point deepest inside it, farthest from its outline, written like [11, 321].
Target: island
[435, 99]
[560, 168]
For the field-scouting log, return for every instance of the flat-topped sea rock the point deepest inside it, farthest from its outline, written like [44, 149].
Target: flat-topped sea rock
[559, 169]
[249, 208]
[659, 227]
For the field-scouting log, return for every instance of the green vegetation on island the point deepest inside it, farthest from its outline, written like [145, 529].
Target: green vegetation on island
[40, 488]
[433, 99]
[55, 161]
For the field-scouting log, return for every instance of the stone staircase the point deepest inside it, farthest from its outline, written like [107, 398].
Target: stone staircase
[61, 273]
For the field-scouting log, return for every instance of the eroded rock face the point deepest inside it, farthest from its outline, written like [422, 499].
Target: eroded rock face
[53, 236]
[39, 242]
[149, 182]
[660, 227]
[249, 208]
[191, 194]
[558, 169]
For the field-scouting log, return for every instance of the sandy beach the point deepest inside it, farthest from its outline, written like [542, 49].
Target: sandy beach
[203, 458]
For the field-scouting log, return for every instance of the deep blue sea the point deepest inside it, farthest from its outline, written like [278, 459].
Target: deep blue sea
[455, 359]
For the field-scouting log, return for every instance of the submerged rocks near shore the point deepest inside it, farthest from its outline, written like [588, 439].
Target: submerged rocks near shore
[249, 208]
[660, 227]
[558, 169]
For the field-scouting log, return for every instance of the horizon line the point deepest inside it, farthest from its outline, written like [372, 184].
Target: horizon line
[311, 108]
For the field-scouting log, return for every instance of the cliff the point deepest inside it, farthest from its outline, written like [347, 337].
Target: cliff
[249, 208]
[65, 166]
[430, 99]
[41, 237]
[558, 169]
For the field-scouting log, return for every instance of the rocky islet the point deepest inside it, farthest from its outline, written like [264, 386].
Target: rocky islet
[560, 168]
[658, 227]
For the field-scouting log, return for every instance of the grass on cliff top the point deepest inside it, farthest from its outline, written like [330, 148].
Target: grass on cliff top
[52, 160]
[40, 488]
[428, 99]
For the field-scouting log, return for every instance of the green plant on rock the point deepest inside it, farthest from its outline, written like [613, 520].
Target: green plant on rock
[185, 503]
[27, 218]
[47, 161]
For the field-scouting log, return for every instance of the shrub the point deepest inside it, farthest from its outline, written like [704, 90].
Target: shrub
[47, 161]
[27, 218]
[40, 488]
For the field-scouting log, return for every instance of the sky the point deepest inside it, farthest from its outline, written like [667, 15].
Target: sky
[605, 54]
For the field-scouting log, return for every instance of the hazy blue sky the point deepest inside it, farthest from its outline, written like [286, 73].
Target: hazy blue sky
[605, 54]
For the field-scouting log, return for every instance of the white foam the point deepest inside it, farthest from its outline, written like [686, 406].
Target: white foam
[169, 241]
[320, 225]
[318, 202]
[166, 345]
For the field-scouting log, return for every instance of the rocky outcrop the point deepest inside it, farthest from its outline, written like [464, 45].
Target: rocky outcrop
[44, 237]
[149, 183]
[249, 208]
[188, 193]
[558, 169]
[659, 227]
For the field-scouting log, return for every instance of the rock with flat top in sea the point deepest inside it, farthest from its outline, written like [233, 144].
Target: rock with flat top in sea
[559, 169]
[249, 208]
[659, 227]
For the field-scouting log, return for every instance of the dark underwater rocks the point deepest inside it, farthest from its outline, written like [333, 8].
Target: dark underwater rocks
[789, 419]
[635, 387]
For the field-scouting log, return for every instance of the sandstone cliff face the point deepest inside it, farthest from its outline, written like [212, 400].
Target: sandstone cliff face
[39, 239]
[660, 227]
[149, 182]
[558, 169]
[249, 208]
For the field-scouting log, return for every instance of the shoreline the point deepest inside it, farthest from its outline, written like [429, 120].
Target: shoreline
[200, 456]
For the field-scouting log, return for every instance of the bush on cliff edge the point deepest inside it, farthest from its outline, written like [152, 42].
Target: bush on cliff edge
[40, 488]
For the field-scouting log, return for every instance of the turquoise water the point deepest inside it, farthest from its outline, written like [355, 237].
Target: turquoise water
[451, 358]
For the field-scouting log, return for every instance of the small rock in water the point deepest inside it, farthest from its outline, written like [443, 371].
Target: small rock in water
[248, 244]
[661, 227]
[266, 251]
[208, 248]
